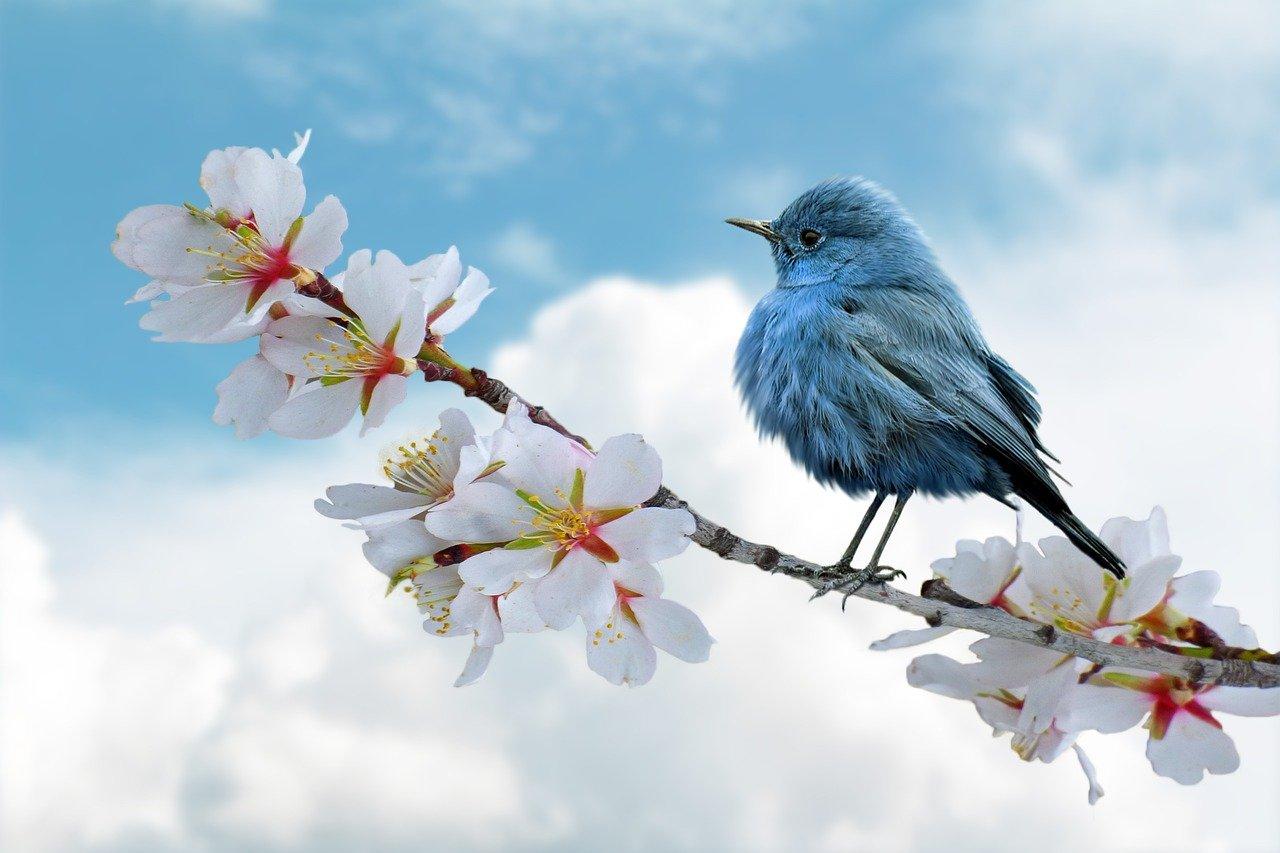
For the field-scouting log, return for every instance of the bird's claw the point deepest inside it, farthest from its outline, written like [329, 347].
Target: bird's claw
[871, 574]
[839, 572]
[848, 584]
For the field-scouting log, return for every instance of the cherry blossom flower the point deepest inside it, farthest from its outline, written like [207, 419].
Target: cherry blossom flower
[407, 553]
[450, 297]
[224, 266]
[621, 647]
[364, 364]
[1189, 604]
[981, 571]
[1185, 737]
[1001, 708]
[1067, 589]
[565, 515]
[424, 469]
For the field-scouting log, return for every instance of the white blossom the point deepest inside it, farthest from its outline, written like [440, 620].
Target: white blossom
[1001, 708]
[451, 298]
[363, 365]
[981, 571]
[424, 469]
[1185, 737]
[407, 553]
[223, 267]
[563, 514]
[1063, 587]
[621, 647]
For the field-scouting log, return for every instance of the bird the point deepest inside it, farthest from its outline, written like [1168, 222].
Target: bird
[866, 363]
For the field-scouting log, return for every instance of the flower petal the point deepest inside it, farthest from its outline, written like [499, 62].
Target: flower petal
[1137, 542]
[1242, 701]
[364, 500]
[942, 675]
[982, 575]
[481, 512]
[484, 621]
[621, 653]
[248, 396]
[638, 578]
[218, 179]
[1144, 588]
[413, 326]
[1095, 790]
[272, 187]
[206, 314]
[1045, 696]
[389, 392]
[318, 412]
[437, 276]
[392, 547]
[1192, 595]
[1104, 708]
[473, 290]
[910, 637]
[674, 628]
[649, 534]
[625, 472]
[320, 241]
[1189, 747]
[289, 341]
[537, 460]
[518, 611]
[580, 586]
[494, 572]
[476, 665]
[155, 240]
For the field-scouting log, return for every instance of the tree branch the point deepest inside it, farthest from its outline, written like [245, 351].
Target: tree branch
[938, 604]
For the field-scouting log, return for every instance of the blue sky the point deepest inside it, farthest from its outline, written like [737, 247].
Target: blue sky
[609, 163]
[1099, 178]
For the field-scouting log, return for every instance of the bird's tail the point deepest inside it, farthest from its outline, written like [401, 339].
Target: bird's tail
[1083, 538]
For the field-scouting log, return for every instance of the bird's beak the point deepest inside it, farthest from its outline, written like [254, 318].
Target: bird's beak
[763, 227]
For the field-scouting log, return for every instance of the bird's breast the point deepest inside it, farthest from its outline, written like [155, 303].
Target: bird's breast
[804, 382]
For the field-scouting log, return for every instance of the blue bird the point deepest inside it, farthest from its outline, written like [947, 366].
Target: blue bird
[868, 365]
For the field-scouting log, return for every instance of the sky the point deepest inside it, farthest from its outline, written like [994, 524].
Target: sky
[191, 658]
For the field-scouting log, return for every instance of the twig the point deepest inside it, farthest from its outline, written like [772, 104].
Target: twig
[938, 604]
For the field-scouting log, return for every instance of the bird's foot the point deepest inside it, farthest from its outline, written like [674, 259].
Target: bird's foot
[848, 584]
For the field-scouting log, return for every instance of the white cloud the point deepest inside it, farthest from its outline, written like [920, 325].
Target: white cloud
[1129, 89]
[98, 722]
[523, 249]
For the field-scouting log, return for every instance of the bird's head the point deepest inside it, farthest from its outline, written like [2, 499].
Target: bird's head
[843, 227]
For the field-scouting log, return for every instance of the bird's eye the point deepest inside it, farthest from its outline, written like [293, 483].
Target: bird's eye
[809, 238]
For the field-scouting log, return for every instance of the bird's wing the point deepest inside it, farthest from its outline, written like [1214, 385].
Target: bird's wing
[954, 381]
[1019, 395]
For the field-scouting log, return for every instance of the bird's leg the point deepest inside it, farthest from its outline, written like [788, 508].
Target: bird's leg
[874, 572]
[845, 564]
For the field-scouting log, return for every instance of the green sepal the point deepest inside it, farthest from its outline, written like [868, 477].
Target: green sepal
[605, 516]
[404, 574]
[326, 381]
[532, 500]
[524, 543]
[292, 234]
[579, 486]
[492, 468]
[1129, 680]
